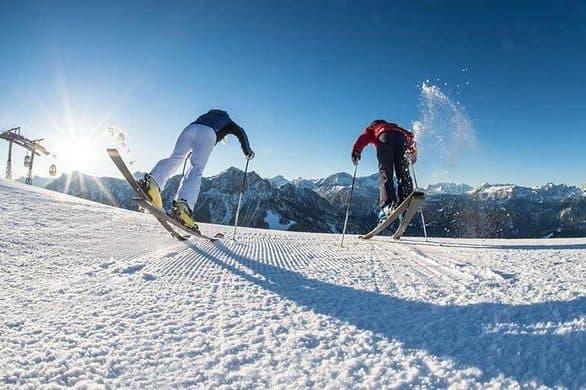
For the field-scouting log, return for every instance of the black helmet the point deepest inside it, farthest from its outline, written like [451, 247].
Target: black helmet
[218, 112]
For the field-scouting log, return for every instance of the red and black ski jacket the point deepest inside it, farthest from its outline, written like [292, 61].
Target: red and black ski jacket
[375, 129]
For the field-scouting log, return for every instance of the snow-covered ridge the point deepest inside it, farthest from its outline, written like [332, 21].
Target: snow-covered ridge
[338, 179]
[278, 181]
[547, 192]
[447, 188]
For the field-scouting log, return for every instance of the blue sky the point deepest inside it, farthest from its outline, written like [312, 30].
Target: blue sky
[302, 78]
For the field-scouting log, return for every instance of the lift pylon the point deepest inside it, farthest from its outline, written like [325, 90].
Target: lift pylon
[13, 136]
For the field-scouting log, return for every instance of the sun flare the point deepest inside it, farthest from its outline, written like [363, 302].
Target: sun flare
[74, 153]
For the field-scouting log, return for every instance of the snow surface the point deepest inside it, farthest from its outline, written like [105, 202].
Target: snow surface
[95, 295]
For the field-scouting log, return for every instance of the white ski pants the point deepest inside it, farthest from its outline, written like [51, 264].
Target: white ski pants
[195, 138]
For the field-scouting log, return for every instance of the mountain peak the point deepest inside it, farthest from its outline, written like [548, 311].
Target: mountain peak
[230, 171]
[278, 181]
[337, 179]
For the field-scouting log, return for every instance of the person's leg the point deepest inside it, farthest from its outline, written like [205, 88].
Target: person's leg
[203, 142]
[385, 153]
[404, 181]
[167, 166]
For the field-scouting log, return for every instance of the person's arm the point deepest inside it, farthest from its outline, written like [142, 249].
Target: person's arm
[364, 139]
[239, 132]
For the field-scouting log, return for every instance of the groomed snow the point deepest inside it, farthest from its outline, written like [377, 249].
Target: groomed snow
[94, 295]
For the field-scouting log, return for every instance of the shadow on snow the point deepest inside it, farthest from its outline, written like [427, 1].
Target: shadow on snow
[469, 335]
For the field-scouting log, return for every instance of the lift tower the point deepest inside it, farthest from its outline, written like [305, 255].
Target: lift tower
[13, 136]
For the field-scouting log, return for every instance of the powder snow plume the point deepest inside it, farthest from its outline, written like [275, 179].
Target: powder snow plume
[444, 127]
[119, 139]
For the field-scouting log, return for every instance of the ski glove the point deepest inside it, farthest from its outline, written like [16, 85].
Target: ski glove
[355, 157]
[250, 155]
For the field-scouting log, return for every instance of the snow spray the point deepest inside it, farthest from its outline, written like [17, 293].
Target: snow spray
[119, 139]
[444, 129]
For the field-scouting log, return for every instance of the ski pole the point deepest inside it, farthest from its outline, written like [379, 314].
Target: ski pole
[240, 199]
[421, 207]
[184, 166]
[185, 163]
[348, 206]
[414, 177]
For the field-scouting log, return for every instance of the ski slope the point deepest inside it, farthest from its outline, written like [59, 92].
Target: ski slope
[92, 295]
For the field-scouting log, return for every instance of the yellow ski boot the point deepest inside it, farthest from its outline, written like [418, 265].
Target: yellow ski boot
[182, 213]
[151, 188]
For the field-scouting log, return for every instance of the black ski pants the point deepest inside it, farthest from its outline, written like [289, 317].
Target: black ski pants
[392, 156]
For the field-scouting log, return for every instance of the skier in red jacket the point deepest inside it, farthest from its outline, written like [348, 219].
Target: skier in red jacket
[395, 149]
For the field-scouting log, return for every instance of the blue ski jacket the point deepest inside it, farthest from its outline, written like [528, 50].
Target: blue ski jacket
[223, 125]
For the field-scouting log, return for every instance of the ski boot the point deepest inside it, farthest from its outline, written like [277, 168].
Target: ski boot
[384, 212]
[182, 213]
[151, 188]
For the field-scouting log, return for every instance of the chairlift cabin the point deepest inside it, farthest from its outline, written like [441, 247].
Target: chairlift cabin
[53, 170]
[27, 161]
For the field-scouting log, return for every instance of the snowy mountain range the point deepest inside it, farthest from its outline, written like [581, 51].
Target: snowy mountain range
[38, 181]
[318, 205]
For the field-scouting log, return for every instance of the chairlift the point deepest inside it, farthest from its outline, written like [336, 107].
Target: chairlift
[53, 170]
[27, 161]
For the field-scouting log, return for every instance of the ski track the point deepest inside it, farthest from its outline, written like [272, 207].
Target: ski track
[94, 296]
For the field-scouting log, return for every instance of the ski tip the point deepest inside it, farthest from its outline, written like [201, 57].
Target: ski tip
[112, 151]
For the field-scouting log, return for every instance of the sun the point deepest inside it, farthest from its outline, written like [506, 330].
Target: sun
[74, 153]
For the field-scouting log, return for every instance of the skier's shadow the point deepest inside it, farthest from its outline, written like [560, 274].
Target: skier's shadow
[497, 338]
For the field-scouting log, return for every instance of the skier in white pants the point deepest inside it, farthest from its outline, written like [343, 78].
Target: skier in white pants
[199, 137]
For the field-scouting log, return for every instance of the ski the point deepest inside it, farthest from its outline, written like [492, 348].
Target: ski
[144, 202]
[414, 206]
[172, 231]
[416, 198]
[160, 214]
